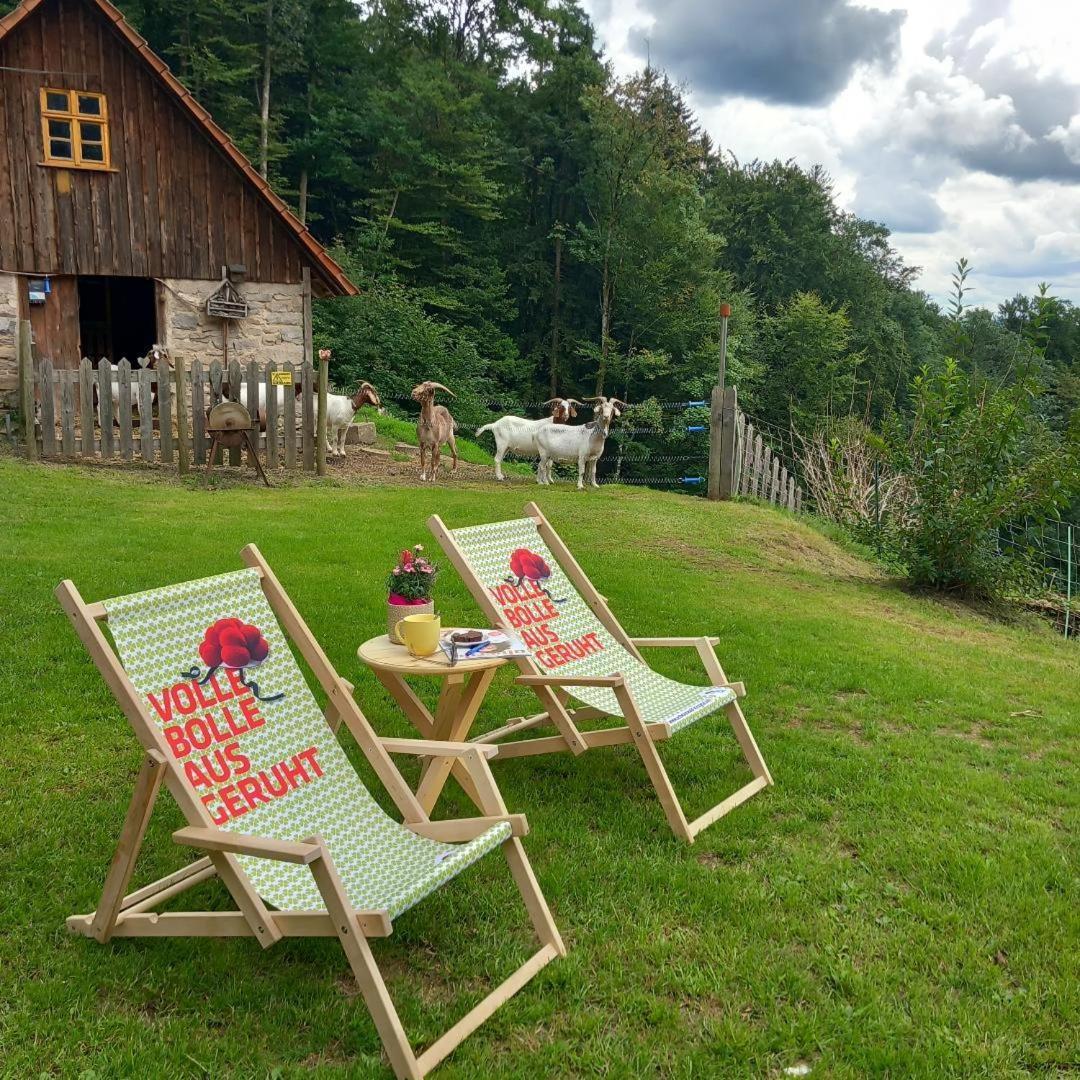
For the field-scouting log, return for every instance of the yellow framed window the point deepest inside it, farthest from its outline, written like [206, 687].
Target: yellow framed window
[75, 128]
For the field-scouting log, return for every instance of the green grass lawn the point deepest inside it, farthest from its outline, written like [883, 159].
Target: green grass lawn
[903, 902]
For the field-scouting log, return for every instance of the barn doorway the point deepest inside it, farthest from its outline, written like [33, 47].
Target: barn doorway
[117, 317]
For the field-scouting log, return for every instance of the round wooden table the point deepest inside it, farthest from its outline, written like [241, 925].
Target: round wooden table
[463, 689]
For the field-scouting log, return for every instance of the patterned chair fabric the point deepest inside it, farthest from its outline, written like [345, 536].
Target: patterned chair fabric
[241, 722]
[511, 560]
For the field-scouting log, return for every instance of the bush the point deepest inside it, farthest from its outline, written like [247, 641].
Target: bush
[976, 458]
[848, 479]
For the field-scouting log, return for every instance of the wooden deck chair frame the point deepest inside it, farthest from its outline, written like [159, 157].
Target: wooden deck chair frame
[552, 690]
[123, 914]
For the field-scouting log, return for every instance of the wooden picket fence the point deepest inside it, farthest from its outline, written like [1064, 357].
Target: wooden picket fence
[127, 412]
[741, 462]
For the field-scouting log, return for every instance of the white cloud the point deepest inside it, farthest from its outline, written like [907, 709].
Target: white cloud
[968, 145]
[1069, 137]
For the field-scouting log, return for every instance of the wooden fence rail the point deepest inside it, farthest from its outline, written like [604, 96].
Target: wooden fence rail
[130, 411]
[741, 462]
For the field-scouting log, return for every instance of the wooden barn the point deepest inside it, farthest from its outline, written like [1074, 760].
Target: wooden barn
[125, 210]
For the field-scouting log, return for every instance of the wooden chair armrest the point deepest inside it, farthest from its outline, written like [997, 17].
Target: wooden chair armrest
[457, 830]
[705, 646]
[434, 748]
[671, 642]
[570, 680]
[243, 844]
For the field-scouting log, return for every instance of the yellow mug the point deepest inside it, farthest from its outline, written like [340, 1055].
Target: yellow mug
[419, 633]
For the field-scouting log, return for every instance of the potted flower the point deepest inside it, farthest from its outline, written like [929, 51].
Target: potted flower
[410, 585]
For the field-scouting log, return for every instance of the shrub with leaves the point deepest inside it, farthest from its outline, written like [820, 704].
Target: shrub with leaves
[976, 457]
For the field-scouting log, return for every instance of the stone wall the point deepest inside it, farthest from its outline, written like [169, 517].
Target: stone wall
[273, 329]
[9, 345]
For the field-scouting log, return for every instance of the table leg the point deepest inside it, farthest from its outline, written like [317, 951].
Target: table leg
[458, 705]
[410, 704]
[446, 710]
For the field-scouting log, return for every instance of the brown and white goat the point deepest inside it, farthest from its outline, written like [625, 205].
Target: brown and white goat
[339, 415]
[582, 444]
[516, 435]
[156, 358]
[434, 427]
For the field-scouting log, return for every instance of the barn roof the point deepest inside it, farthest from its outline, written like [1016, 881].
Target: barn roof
[332, 275]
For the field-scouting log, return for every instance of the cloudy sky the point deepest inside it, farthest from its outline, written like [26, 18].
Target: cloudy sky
[954, 122]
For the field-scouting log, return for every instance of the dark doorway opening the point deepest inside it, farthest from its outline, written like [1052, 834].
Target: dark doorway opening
[117, 317]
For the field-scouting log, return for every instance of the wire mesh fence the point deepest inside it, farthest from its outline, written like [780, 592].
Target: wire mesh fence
[1051, 550]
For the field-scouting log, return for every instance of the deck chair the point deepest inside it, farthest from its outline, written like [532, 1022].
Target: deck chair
[524, 578]
[204, 673]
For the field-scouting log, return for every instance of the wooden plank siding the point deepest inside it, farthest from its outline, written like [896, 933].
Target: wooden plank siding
[173, 205]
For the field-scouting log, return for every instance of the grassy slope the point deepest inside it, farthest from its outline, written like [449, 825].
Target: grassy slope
[903, 901]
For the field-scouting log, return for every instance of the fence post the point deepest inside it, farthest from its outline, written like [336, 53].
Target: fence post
[1068, 578]
[728, 465]
[181, 416]
[722, 442]
[877, 507]
[26, 390]
[716, 431]
[320, 421]
[48, 408]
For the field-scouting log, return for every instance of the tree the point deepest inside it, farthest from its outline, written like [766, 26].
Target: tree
[813, 370]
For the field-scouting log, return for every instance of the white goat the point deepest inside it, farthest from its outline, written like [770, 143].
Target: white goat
[582, 444]
[515, 435]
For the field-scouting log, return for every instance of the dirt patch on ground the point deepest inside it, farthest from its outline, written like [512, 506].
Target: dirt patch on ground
[401, 469]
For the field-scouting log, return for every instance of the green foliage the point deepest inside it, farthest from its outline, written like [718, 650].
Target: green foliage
[976, 458]
[813, 368]
[523, 224]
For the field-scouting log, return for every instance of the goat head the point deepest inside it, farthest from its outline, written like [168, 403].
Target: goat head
[428, 388]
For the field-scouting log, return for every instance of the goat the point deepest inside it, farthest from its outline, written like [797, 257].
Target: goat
[582, 444]
[339, 415]
[434, 427]
[515, 435]
[158, 356]
[259, 413]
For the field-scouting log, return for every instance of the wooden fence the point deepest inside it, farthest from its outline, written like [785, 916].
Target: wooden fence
[128, 413]
[740, 461]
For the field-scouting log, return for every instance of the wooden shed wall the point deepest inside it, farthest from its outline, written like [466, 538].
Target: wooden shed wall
[173, 206]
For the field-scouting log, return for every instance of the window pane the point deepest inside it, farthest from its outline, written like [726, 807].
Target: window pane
[60, 129]
[56, 101]
[89, 106]
[60, 148]
[89, 132]
[93, 152]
